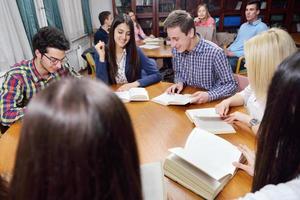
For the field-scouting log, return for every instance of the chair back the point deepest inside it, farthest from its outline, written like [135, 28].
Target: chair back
[242, 81]
[208, 33]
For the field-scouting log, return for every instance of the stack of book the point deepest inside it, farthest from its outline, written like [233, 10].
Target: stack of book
[204, 165]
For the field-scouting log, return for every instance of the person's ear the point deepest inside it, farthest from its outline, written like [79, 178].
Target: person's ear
[257, 12]
[38, 54]
[191, 33]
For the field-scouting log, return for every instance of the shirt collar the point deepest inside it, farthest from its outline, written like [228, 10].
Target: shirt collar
[255, 22]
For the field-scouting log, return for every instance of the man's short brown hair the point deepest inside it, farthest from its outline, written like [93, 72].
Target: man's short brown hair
[182, 19]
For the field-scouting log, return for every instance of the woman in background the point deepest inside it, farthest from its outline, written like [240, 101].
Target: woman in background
[139, 34]
[203, 17]
[122, 62]
[277, 163]
[77, 142]
[263, 53]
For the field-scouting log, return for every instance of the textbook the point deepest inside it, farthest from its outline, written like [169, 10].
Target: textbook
[153, 41]
[172, 99]
[133, 94]
[153, 181]
[204, 165]
[208, 119]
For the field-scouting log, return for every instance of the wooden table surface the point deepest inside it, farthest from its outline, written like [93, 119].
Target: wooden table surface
[157, 129]
[164, 51]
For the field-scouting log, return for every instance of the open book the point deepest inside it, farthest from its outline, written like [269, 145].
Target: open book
[133, 94]
[149, 46]
[172, 99]
[204, 165]
[153, 41]
[153, 181]
[209, 120]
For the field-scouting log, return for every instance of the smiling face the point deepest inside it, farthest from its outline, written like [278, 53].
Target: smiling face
[251, 13]
[180, 40]
[122, 35]
[202, 13]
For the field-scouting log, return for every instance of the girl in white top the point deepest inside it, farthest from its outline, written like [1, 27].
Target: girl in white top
[262, 54]
[277, 163]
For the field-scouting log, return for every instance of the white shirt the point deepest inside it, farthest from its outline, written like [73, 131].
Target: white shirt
[255, 108]
[121, 76]
[287, 191]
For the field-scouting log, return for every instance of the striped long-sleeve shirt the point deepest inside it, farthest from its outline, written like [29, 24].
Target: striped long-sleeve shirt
[20, 83]
[206, 67]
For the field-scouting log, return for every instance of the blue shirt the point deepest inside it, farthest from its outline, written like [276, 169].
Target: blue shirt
[247, 31]
[206, 67]
[147, 73]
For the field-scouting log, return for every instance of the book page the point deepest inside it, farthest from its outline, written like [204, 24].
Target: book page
[124, 96]
[172, 99]
[153, 181]
[150, 46]
[209, 120]
[210, 153]
[138, 94]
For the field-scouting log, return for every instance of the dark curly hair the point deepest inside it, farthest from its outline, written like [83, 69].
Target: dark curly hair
[50, 37]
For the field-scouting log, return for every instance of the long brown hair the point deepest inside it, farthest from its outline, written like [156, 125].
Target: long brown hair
[278, 152]
[77, 142]
[130, 48]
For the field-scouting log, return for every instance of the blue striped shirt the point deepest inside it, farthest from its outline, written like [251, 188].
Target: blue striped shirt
[205, 67]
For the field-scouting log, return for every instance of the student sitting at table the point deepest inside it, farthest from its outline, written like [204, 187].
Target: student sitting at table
[263, 53]
[105, 19]
[277, 164]
[123, 62]
[76, 142]
[203, 18]
[28, 77]
[197, 62]
[138, 31]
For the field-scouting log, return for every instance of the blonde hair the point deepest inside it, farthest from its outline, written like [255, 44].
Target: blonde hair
[263, 53]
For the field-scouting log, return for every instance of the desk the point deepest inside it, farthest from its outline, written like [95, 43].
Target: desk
[164, 51]
[296, 37]
[157, 128]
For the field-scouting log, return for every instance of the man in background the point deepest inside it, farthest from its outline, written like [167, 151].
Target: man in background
[252, 27]
[105, 19]
[197, 62]
[28, 77]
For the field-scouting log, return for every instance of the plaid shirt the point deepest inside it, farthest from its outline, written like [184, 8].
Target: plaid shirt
[206, 67]
[20, 83]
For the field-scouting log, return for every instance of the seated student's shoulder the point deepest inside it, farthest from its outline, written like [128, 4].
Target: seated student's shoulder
[19, 70]
[211, 46]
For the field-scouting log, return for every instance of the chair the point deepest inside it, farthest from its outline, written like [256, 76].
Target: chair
[238, 66]
[208, 33]
[87, 55]
[242, 81]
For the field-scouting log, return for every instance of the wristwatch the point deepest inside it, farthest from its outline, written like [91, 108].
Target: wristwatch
[253, 122]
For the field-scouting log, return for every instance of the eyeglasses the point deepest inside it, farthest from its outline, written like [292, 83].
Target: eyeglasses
[54, 61]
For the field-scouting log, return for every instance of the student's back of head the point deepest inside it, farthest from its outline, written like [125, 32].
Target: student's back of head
[278, 152]
[77, 142]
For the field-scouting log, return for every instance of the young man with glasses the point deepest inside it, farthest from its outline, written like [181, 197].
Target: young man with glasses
[28, 77]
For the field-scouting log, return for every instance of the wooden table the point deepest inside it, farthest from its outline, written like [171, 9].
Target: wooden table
[296, 37]
[157, 129]
[164, 51]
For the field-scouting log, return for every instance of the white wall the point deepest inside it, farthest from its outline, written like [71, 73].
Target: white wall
[97, 6]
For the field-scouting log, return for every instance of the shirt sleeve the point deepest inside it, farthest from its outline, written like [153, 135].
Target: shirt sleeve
[11, 93]
[289, 190]
[225, 84]
[150, 68]
[101, 68]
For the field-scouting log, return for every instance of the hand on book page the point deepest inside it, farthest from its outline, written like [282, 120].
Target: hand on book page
[210, 153]
[172, 99]
[200, 97]
[209, 120]
[134, 94]
[250, 157]
[238, 116]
